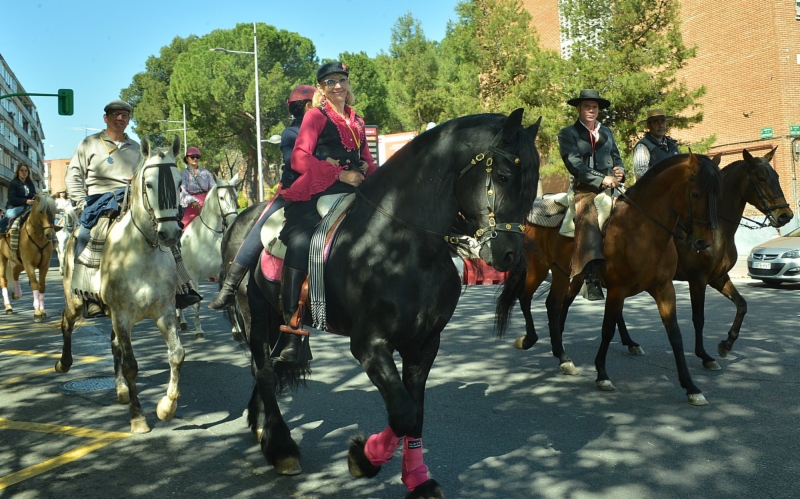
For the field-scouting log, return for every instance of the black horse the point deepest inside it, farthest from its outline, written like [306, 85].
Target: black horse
[390, 281]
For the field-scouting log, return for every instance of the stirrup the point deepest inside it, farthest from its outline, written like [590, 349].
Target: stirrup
[592, 291]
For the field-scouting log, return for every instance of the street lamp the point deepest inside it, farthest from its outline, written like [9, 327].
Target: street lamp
[254, 53]
[185, 145]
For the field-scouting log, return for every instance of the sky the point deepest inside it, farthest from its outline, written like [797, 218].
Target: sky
[96, 47]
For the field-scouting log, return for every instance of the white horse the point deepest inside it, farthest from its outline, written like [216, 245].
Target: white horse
[69, 222]
[138, 279]
[202, 240]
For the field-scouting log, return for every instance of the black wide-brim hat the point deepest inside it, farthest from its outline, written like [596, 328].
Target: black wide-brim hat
[330, 68]
[589, 94]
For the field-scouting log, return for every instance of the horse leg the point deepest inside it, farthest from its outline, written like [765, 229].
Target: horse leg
[30, 270]
[534, 276]
[4, 285]
[129, 368]
[263, 413]
[557, 307]
[613, 310]
[697, 292]
[17, 294]
[724, 285]
[181, 319]
[169, 402]
[69, 315]
[199, 334]
[633, 347]
[43, 268]
[123, 393]
[665, 299]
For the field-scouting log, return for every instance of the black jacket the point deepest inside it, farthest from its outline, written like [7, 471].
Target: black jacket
[16, 192]
[575, 148]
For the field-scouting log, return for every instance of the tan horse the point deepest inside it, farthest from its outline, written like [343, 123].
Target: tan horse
[36, 246]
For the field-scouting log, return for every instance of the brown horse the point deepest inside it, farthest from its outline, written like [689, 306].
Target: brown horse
[36, 239]
[751, 180]
[680, 189]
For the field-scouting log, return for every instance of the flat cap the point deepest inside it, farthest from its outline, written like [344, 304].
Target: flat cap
[117, 105]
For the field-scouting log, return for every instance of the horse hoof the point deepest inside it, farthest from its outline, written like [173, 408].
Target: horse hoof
[259, 434]
[37, 319]
[200, 336]
[15, 296]
[139, 426]
[697, 399]
[61, 368]
[123, 396]
[605, 385]
[637, 350]
[712, 366]
[237, 337]
[357, 461]
[428, 490]
[723, 352]
[569, 368]
[289, 466]
[184, 326]
[523, 344]
[166, 408]
[9, 310]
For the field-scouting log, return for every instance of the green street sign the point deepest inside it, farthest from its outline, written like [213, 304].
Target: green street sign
[66, 102]
[794, 130]
[766, 133]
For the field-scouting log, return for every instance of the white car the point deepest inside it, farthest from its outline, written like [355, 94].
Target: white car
[776, 261]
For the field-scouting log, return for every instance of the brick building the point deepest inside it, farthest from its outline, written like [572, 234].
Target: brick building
[748, 57]
[54, 172]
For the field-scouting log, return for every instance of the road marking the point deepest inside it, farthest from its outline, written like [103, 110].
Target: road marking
[99, 438]
[81, 360]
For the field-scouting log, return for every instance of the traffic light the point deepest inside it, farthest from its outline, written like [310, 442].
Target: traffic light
[66, 102]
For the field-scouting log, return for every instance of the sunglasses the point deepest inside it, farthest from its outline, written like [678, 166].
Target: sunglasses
[332, 83]
[194, 156]
[124, 116]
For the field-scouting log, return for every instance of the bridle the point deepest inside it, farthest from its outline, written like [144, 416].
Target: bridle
[154, 218]
[483, 234]
[766, 209]
[232, 190]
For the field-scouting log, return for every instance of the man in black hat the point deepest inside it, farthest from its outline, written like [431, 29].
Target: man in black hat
[655, 145]
[592, 158]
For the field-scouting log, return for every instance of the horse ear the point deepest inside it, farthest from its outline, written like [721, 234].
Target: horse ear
[768, 156]
[533, 130]
[512, 124]
[234, 180]
[176, 147]
[717, 159]
[747, 156]
[145, 147]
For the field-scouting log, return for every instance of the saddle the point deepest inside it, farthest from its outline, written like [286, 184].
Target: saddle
[332, 208]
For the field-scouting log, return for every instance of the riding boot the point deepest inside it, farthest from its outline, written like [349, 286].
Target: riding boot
[592, 289]
[292, 281]
[226, 295]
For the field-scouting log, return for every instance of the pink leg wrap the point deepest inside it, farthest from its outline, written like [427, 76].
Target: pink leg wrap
[415, 473]
[41, 301]
[380, 447]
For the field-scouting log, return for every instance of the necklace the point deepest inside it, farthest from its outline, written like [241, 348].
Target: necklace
[110, 160]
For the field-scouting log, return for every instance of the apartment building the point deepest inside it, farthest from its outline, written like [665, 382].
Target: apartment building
[748, 58]
[21, 133]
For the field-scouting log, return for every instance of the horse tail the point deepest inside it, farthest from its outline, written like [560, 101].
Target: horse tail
[512, 288]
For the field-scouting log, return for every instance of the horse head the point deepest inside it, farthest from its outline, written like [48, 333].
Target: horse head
[226, 197]
[156, 193]
[766, 193]
[496, 190]
[43, 214]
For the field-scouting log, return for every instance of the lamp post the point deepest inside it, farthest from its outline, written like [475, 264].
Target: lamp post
[254, 53]
[185, 145]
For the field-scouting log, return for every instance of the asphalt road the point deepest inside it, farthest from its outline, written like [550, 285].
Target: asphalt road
[500, 423]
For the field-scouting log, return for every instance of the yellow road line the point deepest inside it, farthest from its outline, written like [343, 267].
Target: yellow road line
[50, 370]
[101, 439]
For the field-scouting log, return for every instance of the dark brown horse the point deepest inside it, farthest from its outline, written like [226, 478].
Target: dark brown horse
[751, 180]
[681, 190]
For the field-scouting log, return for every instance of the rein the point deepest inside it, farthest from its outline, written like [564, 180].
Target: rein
[149, 207]
[223, 215]
[40, 248]
[484, 234]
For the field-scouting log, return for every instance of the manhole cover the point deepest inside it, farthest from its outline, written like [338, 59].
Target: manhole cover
[88, 385]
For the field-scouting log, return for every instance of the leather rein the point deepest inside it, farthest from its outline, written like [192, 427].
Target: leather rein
[766, 209]
[483, 234]
[148, 206]
[223, 215]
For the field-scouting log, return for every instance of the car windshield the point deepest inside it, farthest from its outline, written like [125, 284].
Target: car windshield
[794, 233]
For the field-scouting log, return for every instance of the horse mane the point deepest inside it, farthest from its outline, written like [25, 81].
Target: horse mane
[46, 205]
[709, 178]
[448, 139]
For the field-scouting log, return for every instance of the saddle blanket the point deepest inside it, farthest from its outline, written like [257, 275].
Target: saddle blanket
[86, 273]
[549, 210]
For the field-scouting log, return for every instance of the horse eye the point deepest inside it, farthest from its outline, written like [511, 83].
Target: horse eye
[502, 178]
[148, 185]
[695, 195]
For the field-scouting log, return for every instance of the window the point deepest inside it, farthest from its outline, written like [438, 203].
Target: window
[797, 10]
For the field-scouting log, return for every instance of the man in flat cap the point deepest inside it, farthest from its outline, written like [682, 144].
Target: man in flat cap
[592, 158]
[96, 179]
[655, 145]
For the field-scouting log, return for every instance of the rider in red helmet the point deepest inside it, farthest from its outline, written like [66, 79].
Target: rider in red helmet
[299, 102]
